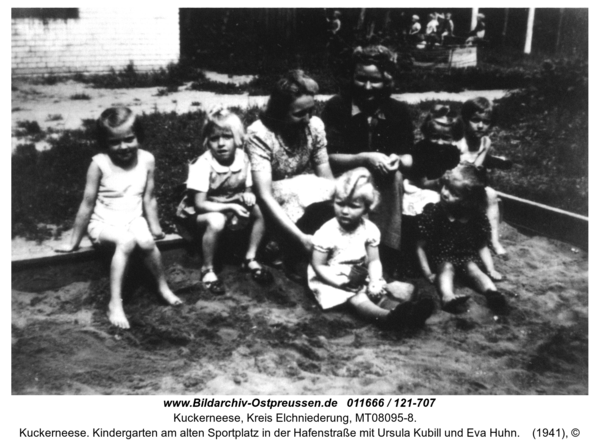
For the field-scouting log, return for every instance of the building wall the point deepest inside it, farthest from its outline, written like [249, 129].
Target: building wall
[95, 42]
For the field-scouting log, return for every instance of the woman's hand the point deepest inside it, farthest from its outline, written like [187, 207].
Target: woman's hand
[248, 199]
[378, 162]
[393, 163]
[431, 278]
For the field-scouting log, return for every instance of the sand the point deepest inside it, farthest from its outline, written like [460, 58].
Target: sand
[275, 339]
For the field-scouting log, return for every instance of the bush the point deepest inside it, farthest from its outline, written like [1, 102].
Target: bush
[544, 128]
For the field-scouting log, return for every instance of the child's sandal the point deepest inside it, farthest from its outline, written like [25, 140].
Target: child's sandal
[456, 305]
[214, 286]
[497, 302]
[259, 275]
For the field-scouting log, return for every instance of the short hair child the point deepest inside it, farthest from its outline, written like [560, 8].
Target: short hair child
[219, 196]
[454, 235]
[119, 206]
[345, 253]
[114, 117]
[477, 116]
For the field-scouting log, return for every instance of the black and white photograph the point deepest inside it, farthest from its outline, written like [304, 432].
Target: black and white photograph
[327, 201]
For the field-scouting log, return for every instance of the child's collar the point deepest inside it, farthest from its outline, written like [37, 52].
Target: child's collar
[236, 166]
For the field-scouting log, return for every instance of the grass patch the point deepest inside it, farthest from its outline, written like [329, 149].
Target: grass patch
[174, 75]
[28, 128]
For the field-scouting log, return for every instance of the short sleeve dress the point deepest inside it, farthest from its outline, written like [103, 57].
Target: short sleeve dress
[344, 249]
[295, 186]
[220, 183]
[451, 240]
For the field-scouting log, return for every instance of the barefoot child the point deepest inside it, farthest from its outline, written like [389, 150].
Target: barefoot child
[219, 195]
[454, 235]
[475, 148]
[119, 207]
[349, 242]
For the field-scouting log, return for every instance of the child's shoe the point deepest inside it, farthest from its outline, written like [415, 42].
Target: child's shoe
[272, 255]
[407, 315]
[456, 305]
[214, 286]
[497, 302]
[259, 275]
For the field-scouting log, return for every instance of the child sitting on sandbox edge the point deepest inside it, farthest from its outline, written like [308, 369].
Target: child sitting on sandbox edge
[219, 196]
[119, 207]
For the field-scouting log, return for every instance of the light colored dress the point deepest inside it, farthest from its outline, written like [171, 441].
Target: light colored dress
[220, 183]
[476, 158]
[119, 202]
[345, 249]
[295, 186]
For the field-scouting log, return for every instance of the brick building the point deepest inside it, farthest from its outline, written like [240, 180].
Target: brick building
[92, 40]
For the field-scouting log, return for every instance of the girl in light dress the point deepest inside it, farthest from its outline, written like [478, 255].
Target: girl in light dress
[345, 265]
[119, 207]
[219, 196]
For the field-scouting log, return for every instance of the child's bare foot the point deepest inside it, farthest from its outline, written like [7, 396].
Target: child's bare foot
[454, 304]
[495, 276]
[168, 296]
[116, 315]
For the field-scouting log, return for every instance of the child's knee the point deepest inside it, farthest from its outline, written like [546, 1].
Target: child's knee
[215, 221]
[146, 243]
[125, 243]
[359, 299]
[491, 194]
[473, 270]
[446, 268]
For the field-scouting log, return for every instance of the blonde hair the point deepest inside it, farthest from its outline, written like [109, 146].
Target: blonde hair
[357, 183]
[223, 118]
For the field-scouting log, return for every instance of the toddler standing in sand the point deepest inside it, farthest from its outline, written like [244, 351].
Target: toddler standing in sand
[345, 266]
[453, 238]
[219, 195]
[119, 207]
